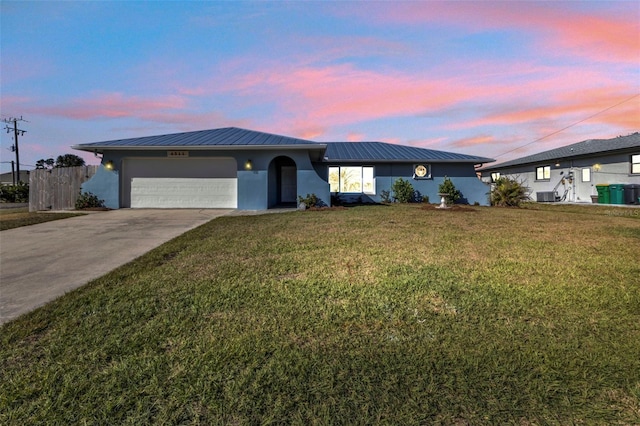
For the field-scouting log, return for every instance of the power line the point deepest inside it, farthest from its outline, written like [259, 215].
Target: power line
[571, 125]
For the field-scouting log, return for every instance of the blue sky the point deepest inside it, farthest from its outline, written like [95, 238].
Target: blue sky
[486, 78]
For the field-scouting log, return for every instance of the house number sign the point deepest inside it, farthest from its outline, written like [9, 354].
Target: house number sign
[176, 154]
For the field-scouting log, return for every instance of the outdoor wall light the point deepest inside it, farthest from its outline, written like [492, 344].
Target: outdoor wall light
[248, 165]
[108, 165]
[596, 167]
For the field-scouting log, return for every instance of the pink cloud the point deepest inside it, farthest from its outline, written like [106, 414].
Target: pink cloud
[600, 37]
[311, 100]
[593, 105]
[113, 105]
[433, 143]
[300, 130]
[599, 34]
[473, 141]
[343, 94]
[37, 148]
[171, 110]
[10, 103]
[355, 137]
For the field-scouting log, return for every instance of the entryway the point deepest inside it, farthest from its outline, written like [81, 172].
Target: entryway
[283, 182]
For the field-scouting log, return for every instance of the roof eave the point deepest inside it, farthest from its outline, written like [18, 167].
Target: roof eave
[410, 160]
[101, 148]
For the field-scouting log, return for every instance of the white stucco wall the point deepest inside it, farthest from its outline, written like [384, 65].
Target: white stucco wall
[611, 169]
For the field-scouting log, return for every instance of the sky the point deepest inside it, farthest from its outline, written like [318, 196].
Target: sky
[494, 79]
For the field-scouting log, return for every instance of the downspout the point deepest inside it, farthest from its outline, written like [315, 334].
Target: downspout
[573, 183]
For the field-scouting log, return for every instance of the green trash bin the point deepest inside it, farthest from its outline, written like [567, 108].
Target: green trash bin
[616, 192]
[603, 194]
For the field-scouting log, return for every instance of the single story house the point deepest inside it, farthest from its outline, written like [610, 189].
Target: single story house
[8, 178]
[250, 170]
[571, 173]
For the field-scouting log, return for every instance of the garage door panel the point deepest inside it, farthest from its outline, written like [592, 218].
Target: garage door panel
[183, 193]
[180, 183]
[182, 167]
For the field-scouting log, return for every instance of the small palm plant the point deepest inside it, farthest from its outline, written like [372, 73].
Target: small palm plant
[508, 193]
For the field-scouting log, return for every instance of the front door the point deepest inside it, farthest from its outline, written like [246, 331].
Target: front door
[288, 187]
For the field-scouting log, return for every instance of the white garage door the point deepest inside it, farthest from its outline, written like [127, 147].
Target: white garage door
[180, 183]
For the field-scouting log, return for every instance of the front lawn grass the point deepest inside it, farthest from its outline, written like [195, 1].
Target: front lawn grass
[15, 218]
[366, 315]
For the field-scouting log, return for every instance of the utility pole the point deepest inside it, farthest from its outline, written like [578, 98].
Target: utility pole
[16, 131]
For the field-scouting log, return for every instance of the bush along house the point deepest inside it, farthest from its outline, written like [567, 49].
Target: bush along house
[595, 170]
[250, 170]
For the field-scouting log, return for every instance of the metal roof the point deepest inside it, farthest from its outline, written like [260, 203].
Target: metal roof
[385, 152]
[228, 136]
[580, 149]
[250, 139]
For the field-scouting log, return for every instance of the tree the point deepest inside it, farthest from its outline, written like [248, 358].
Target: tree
[45, 164]
[403, 191]
[66, 160]
[447, 187]
[69, 160]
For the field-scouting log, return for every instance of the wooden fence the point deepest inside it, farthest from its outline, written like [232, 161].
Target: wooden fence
[58, 188]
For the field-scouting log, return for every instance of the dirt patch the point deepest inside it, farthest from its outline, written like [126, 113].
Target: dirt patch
[454, 208]
[317, 209]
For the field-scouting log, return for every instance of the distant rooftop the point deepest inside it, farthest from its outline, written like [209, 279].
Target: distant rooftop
[579, 149]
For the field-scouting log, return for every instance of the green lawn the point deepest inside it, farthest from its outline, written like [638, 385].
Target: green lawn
[15, 218]
[367, 315]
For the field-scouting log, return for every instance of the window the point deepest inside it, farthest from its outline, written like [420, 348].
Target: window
[352, 179]
[586, 175]
[635, 164]
[495, 176]
[543, 173]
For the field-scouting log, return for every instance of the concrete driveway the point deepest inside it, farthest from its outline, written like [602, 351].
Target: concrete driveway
[41, 262]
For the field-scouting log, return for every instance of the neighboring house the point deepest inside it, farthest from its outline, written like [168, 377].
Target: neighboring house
[249, 170]
[8, 177]
[571, 173]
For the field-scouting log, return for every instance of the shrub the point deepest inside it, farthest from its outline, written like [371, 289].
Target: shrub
[336, 199]
[385, 196]
[88, 200]
[419, 198]
[403, 191]
[18, 193]
[311, 200]
[447, 187]
[508, 193]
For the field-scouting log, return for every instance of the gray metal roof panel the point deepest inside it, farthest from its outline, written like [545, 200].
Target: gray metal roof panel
[248, 139]
[380, 151]
[579, 149]
[216, 137]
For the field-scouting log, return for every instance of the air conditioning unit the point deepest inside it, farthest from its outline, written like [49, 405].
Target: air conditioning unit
[546, 197]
